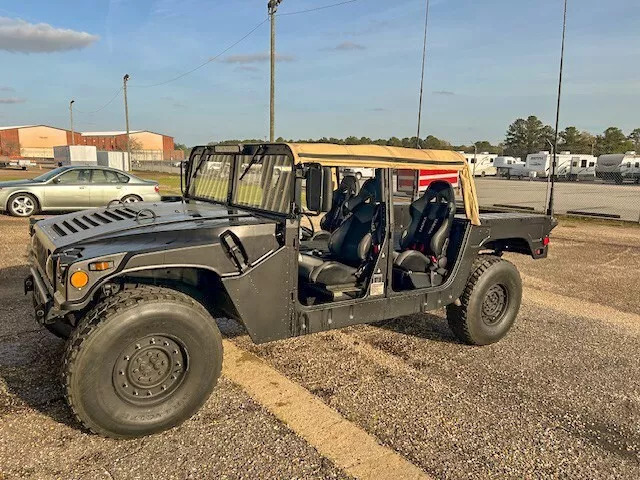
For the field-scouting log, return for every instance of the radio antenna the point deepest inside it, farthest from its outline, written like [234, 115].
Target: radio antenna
[424, 57]
[555, 142]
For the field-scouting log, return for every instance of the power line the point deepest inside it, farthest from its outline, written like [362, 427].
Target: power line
[208, 61]
[103, 106]
[315, 9]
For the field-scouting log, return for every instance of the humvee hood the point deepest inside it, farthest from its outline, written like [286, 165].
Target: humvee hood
[139, 218]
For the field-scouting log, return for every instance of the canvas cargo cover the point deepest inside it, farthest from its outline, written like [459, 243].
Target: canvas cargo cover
[380, 156]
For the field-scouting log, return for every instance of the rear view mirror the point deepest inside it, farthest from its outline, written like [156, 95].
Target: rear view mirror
[319, 188]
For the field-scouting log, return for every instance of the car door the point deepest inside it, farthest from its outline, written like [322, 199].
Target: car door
[69, 191]
[105, 187]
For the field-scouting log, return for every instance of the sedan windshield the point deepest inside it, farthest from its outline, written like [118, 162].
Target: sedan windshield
[45, 177]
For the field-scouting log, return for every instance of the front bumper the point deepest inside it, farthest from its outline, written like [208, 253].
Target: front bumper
[43, 303]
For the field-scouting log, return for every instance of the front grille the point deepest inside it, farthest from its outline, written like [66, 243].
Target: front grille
[90, 220]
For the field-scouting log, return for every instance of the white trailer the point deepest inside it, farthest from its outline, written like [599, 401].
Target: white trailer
[481, 164]
[75, 155]
[619, 167]
[569, 166]
[509, 167]
[119, 160]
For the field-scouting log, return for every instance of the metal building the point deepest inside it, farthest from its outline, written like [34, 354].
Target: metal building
[33, 141]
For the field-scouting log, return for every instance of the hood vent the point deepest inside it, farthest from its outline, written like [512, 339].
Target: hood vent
[91, 220]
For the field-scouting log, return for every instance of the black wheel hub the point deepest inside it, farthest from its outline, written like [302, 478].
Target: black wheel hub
[495, 304]
[150, 369]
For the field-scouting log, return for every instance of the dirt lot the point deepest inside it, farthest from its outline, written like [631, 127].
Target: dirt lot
[559, 397]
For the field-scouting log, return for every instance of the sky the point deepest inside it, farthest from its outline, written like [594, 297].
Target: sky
[353, 69]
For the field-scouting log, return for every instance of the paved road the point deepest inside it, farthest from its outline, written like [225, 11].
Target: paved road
[601, 198]
[559, 397]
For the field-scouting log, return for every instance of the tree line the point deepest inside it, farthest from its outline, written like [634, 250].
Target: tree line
[523, 136]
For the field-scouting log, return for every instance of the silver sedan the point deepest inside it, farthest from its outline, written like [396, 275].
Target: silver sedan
[74, 188]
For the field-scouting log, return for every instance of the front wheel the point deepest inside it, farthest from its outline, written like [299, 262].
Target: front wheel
[22, 205]
[142, 361]
[489, 303]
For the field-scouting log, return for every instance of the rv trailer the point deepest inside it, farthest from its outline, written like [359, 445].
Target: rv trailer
[482, 164]
[510, 167]
[619, 167]
[569, 166]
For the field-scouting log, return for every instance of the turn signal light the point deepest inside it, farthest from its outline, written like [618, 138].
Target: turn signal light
[545, 241]
[79, 279]
[100, 266]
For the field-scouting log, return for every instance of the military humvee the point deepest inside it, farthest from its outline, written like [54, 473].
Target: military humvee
[137, 288]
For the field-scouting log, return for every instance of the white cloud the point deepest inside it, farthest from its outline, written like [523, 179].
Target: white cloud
[17, 35]
[445, 93]
[12, 100]
[7, 89]
[257, 58]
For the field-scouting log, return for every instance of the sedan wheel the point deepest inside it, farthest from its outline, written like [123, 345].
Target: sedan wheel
[22, 205]
[131, 199]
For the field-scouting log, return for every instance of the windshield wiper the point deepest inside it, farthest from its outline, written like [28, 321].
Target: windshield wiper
[252, 162]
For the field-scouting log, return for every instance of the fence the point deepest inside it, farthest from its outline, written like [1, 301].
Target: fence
[595, 198]
[155, 166]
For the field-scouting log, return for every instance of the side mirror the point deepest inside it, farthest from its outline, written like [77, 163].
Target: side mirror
[319, 188]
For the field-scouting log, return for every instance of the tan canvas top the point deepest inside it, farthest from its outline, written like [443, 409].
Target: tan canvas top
[380, 156]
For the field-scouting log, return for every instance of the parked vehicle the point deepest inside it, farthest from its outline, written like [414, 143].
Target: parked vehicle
[482, 164]
[568, 166]
[74, 188]
[619, 167]
[510, 167]
[86, 155]
[138, 287]
[359, 173]
[20, 163]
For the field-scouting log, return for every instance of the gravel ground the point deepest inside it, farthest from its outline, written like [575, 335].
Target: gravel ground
[559, 397]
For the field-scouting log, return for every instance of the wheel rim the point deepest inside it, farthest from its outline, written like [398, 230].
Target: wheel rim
[150, 369]
[23, 205]
[494, 305]
[131, 200]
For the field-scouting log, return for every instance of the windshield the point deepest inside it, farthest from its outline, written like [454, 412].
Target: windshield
[264, 182]
[211, 176]
[49, 175]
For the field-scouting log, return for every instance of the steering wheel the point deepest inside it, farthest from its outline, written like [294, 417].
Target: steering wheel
[307, 233]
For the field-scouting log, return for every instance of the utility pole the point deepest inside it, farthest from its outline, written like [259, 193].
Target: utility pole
[73, 139]
[126, 117]
[424, 57]
[272, 7]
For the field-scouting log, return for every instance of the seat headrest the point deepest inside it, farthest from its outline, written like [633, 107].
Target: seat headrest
[349, 183]
[370, 191]
[440, 192]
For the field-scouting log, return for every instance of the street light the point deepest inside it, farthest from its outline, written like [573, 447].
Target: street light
[272, 7]
[73, 140]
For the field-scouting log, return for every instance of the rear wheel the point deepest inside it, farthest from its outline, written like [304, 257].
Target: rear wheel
[131, 199]
[22, 205]
[489, 303]
[141, 362]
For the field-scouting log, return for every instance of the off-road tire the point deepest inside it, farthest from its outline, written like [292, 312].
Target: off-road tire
[474, 322]
[132, 329]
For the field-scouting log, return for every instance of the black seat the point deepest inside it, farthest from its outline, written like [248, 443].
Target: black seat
[423, 260]
[319, 243]
[348, 248]
[347, 189]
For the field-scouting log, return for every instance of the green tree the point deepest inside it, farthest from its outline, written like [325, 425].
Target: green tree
[575, 141]
[527, 136]
[635, 138]
[613, 140]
